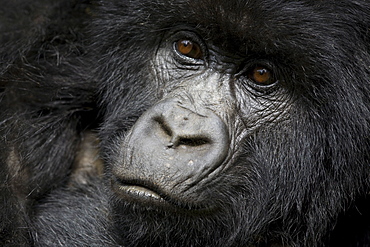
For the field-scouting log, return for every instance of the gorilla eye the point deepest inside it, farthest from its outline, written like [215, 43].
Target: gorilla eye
[189, 48]
[261, 76]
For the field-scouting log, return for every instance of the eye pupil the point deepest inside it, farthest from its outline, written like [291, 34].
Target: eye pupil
[261, 75]
[189, 49]
[185, 46]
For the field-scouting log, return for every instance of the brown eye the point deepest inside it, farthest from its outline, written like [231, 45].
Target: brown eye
[261, 75]
[189, 49]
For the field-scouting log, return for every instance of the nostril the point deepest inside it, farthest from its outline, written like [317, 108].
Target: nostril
[194, 141]
[175, 139]
[163, 127]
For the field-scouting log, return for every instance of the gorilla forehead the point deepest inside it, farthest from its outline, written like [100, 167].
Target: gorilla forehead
[237, 26]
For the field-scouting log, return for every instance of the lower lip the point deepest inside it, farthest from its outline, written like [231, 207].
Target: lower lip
[139, 191]
[149, 198]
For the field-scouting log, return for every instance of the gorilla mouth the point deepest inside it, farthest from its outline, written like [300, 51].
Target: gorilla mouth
[141, 193]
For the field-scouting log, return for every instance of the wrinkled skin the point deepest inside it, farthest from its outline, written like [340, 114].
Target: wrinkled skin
[222, 123]
[225, 155]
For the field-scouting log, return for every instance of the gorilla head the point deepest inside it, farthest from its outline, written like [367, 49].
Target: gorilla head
[232, 123]
[258, 121]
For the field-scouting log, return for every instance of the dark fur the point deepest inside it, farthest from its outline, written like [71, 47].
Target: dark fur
[299, 182]
[45, 103]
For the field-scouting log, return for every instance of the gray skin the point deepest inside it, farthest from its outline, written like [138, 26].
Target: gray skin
[192, 134]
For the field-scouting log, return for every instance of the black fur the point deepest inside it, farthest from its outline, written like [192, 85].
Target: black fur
[46, 101]
[299, 177]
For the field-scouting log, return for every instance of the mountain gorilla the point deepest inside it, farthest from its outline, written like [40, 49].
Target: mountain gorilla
[221, 123]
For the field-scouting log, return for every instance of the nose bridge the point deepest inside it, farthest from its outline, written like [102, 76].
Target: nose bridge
[207, 89]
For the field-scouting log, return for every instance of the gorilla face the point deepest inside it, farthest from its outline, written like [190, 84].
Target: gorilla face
[211, 100]
[232, 122]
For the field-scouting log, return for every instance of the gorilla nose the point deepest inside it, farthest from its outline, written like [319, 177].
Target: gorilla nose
[177, 141]
[182, 127]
